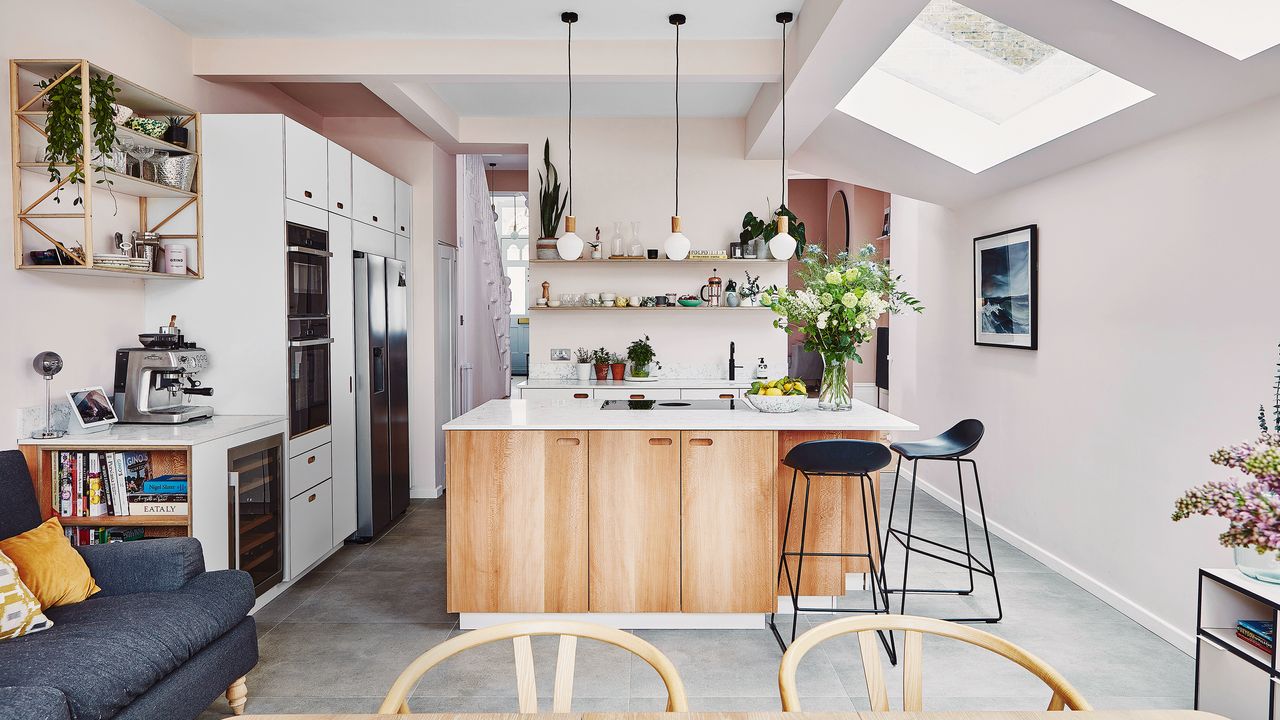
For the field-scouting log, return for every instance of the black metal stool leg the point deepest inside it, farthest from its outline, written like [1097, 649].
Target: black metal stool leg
[964, 519]
[906, 558]
[795, 591]
[888, 523]
[876, 569]
[991, 558]
[782, 561]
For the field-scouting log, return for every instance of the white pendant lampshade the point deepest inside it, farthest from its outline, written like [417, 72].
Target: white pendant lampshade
[677, 245]
[570, 245]
[782, 246]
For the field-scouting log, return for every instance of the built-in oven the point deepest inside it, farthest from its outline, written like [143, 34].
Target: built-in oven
[308, 271]
[309, 339]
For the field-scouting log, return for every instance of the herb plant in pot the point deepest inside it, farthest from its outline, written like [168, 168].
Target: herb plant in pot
[583, 358]
[617, 366]
[176, 133]
[601, 359]
[1251, 507]
[640, 353]
[550, 206]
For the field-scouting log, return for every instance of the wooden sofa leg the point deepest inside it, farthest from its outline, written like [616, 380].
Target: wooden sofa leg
[236, 696]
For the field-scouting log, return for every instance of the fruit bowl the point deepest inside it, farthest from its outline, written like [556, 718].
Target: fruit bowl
[776, 403]
[689, 302]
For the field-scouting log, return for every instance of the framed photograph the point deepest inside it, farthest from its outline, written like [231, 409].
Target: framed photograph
[92, 406]
[1004, 288]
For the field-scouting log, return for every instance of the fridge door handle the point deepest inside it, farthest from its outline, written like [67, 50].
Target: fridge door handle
[233, 489]
[310, 343]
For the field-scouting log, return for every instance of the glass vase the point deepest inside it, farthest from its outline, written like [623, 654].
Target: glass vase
[835, 393]
[1264, 567]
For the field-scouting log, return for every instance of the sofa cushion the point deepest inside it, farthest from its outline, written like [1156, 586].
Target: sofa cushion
[33, 703]
[19, 512]
[106, 651]
[49, 566]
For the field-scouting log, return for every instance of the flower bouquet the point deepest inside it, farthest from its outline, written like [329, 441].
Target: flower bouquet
[837, 308]
[1250, 506]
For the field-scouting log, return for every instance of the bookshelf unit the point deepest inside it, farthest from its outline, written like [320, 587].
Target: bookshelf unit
[42, 462]
[1233, 678]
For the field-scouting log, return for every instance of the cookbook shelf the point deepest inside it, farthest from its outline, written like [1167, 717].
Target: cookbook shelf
[40, 222]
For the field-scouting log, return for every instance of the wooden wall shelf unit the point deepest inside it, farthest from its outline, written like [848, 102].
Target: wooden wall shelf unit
[42, 461]
[606, 308]
[660, 261]
[82, 231]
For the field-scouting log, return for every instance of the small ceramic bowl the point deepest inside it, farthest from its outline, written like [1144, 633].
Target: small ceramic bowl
[776, 403]
[694, 302]
[147, 126]
[608, 298]
[553, 303]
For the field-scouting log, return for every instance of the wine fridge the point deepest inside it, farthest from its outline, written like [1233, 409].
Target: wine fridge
[255, 476]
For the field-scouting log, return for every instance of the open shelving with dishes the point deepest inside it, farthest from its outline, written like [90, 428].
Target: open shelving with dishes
[80, 234]
[657, 261]
[681, 308]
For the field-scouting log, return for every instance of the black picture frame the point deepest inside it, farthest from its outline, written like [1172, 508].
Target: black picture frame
[1011, 325]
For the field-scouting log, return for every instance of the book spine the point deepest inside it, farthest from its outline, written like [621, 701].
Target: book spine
[82, 484]
[97, 497]
[164, 487]
[122, 493]
[158, 508]
[64, 483]
[108, 492]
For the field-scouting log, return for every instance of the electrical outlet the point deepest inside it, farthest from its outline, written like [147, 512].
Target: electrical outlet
[559, 354]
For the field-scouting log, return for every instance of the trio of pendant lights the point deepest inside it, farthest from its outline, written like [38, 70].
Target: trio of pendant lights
[677, 245]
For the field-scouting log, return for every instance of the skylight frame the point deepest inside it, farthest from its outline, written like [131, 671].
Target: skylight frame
[1239, 28]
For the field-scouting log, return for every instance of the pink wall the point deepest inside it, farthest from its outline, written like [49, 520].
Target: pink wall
[86, 319]
[510, 181]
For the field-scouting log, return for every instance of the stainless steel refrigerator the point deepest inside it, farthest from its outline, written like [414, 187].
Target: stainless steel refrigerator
[382, 394]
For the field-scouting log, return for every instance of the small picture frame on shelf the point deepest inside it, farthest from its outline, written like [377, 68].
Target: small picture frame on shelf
[92, 407]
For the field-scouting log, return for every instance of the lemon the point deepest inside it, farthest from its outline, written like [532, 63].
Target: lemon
[773, 391]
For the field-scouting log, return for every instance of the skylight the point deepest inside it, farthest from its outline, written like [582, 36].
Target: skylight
[976, 92]
[1239, 28]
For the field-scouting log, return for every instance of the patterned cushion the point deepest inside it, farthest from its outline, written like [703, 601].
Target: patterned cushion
[19, 610]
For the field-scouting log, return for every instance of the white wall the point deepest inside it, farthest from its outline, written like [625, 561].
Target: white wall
[624, 170]
[1157, 343]
[86, 319]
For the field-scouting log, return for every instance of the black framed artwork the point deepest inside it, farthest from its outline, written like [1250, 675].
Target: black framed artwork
[1004, 287]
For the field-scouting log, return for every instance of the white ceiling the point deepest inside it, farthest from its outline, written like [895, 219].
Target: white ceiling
[466, 19]
[598, 99]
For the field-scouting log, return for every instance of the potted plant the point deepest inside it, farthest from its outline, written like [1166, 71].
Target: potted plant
[583, 358]
[601, 358]
[1251, 507]
[761, 232]
[640, 353]
[550, 206]
[837, 309]
[65, 132]
[617, 366]
[176, 133]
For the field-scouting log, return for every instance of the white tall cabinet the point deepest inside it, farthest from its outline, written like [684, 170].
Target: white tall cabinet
[261, 171]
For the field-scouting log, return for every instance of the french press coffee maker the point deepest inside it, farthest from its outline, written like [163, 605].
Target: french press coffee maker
[711, 292]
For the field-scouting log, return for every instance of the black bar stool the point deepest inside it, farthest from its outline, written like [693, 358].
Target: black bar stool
[835, 459]
[951, 446]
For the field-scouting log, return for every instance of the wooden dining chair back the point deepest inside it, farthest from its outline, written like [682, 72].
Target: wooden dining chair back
[520, 634]
[914, 629]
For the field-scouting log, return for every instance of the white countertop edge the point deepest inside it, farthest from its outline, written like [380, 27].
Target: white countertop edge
[575, 384]
[187, 434]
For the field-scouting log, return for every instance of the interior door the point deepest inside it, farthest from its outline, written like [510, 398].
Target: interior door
[446, 348]
[397, 288]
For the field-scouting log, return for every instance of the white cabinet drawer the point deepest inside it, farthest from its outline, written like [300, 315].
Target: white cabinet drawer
[404, 208]
[637, 393]
[556, 394]
[373, 195]
[710, 393]
[339, 180]
[310, 528]
[310, 468]
[306, 165]
[1231, 686]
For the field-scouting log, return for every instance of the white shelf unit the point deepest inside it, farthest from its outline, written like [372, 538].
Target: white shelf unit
[1233, 678]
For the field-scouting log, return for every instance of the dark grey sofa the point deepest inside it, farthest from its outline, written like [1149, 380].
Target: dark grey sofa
[163, 639]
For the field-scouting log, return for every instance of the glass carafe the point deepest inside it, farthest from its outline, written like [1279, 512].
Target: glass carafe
[617, 244]
[637, 247]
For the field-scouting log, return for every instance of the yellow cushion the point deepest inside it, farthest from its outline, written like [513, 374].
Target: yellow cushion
[49, 566]
[19, 609]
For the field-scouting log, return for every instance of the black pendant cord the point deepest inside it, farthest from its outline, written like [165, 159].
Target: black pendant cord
[783, 19]
[677, 118]
[569, 18]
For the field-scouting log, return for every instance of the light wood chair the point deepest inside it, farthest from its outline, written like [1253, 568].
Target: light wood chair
[914, 629]
[397, 700]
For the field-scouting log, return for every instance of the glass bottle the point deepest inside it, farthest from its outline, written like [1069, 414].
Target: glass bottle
[637, 247]
[619, 247]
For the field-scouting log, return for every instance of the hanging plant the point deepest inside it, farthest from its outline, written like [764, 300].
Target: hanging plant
[66, 133]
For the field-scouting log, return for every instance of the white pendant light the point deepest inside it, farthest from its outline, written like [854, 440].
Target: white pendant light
[783, 246]
[677, 245]
[570, 246]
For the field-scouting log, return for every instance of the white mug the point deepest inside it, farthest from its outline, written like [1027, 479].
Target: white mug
[608, 297]
[634, 300]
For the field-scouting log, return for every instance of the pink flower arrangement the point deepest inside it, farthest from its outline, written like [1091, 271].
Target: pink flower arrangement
[1251, 506]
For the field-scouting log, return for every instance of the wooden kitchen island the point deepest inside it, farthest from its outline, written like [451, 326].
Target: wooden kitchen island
[655, 517]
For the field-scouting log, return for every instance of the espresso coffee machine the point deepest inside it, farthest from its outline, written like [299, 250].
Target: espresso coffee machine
[153, 383]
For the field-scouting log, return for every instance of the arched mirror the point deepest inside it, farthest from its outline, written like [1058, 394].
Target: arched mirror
[838, 223]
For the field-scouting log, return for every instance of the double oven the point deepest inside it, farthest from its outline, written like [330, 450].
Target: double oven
[309, 339]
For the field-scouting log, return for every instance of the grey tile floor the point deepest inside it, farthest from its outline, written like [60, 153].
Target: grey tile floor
[336, 640]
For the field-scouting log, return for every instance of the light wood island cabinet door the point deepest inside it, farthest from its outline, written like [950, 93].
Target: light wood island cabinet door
[634, 521]
[517, 521]
[727, 518]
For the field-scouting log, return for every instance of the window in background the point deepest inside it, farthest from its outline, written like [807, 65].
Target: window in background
[513, 238]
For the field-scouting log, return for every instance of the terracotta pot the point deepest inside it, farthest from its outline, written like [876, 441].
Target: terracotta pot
[602, 371]
[618, 370]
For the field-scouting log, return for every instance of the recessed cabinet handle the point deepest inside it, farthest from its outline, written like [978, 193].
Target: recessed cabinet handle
[339, 206]
[311, 497]
[581, 396]
[659, 441]
[311, 459]
[637, 396]
[701, 442]
[306, 194]
[568, 441]
[726, 396]
[401, 228]
[375, 218]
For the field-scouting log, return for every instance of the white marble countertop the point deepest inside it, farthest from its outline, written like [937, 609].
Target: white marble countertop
[662, 382]
[184, 435]
[587, 415]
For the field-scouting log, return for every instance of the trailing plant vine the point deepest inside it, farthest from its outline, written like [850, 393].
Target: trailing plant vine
[65, 132]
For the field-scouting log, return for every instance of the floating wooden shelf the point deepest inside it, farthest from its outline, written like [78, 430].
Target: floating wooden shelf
[100, 270]
[606, 308]
[126, 521]
[121, 184]
[660, 261]
[40, 117]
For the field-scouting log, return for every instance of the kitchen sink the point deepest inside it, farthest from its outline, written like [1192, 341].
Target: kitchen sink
[669, 405]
